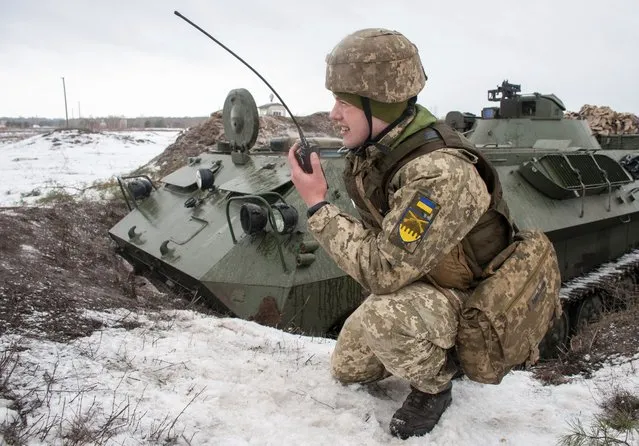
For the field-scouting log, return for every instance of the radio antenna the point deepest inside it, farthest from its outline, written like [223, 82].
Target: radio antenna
[299, 129]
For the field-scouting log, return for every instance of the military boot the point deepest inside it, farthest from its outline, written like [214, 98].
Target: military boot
[420, 413]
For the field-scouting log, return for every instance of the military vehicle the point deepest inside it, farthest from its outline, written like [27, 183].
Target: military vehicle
[230, 228]
[556, 177]
[619, 142]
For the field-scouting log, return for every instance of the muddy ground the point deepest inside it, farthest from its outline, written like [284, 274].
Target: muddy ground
[58, 261]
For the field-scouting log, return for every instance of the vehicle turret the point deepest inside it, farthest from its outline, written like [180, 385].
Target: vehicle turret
[533, 121]
[556, 177]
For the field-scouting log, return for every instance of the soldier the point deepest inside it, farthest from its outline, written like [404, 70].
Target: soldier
[428, 223]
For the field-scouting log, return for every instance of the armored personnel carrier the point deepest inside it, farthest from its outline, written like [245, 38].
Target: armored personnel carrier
[556, 177]
[230, 228]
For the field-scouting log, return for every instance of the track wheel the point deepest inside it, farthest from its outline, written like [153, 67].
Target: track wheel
[555, 340]
[588, 310]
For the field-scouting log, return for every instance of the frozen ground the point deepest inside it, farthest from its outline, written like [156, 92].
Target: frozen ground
[71, 160]
[181, 377]
[8, 135]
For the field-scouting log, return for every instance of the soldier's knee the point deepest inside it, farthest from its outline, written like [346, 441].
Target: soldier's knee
[379, 318]
[347, 373]
[418, 314]
[340, 373]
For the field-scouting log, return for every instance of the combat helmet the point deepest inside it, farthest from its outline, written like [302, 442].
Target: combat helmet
[376, 63]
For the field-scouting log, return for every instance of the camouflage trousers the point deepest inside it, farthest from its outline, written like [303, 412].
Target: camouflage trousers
[407, 334]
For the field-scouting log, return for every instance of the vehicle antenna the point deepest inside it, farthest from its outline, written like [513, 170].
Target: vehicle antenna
[304, 143]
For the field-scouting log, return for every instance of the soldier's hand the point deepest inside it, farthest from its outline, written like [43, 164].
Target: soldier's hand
[312, 187]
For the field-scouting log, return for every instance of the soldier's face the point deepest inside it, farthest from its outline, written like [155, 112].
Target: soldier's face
[352, 123]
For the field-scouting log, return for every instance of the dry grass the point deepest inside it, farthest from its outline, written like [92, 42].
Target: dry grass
[614, 335]
[82, 419]
[622, 410]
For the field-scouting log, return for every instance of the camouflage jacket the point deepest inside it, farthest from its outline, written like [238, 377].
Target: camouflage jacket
[438, 198]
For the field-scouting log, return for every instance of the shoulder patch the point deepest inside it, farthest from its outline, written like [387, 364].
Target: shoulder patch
[414, 222]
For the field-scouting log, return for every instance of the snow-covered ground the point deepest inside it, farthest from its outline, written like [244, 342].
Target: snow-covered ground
[71, 160]
[205, 380]
[196, 379]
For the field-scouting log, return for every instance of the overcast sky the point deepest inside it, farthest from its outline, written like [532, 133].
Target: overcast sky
[136, 58]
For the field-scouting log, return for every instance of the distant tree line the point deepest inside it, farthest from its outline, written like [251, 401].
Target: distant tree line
[23, 123]
[164, 122]
[109, 122]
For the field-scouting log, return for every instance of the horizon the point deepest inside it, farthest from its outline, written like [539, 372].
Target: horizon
[101, 117]
[130, 117]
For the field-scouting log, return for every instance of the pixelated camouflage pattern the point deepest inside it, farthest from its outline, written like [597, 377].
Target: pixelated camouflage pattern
[370, 257]
[508, 314]
[356, 163]
[407, 334]
[376, 63]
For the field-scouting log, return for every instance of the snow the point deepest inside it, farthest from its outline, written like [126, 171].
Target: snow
[227, 381]
[71, 160]
[195, 379]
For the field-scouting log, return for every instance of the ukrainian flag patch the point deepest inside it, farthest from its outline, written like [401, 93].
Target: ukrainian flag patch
[415, 222]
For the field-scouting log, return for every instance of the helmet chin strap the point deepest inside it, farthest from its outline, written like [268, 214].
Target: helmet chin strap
[366, 105]
[410, 107]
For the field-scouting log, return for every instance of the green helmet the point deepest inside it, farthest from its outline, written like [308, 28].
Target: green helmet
[376, 63]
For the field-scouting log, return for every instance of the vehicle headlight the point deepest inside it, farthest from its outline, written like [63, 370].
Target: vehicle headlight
[204, 179]
[284, 217]
[140, 188]
[253, 218]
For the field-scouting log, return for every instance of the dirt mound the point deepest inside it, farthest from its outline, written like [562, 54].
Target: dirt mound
[320, 124]
[203, 137]
[605, 121]
[57, 262]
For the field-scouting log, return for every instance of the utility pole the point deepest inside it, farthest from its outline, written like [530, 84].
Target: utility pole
[64, 88]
